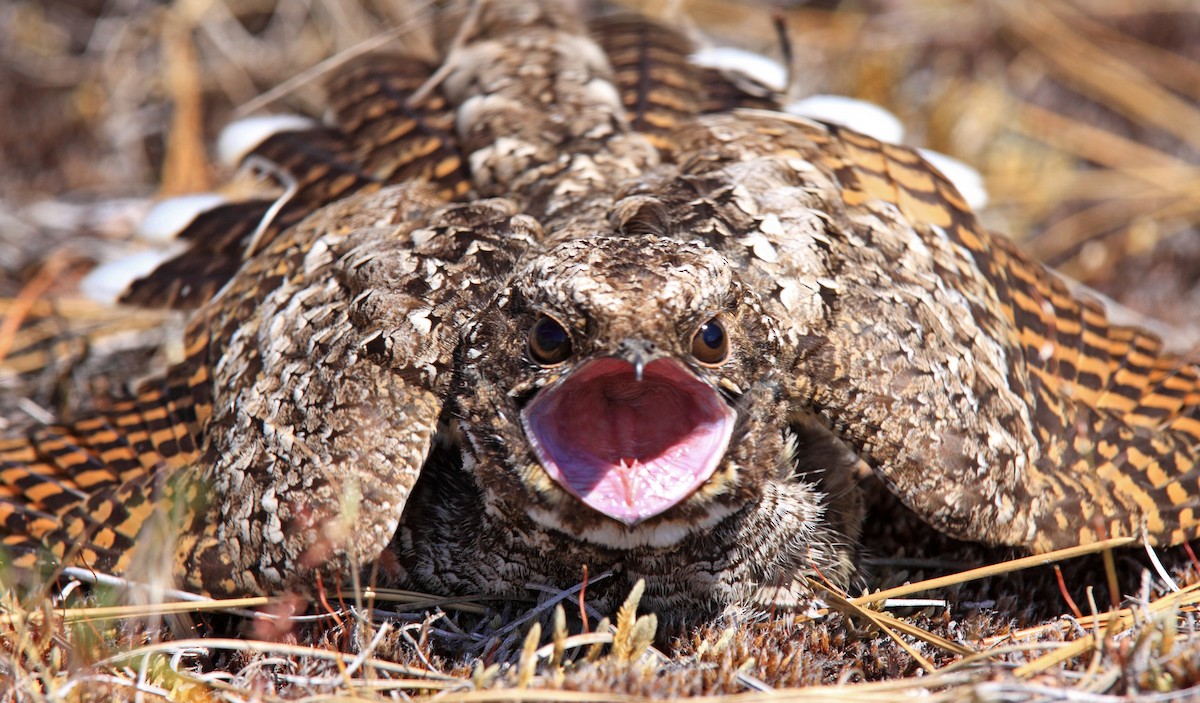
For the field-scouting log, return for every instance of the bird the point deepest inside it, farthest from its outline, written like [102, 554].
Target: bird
[571, 301]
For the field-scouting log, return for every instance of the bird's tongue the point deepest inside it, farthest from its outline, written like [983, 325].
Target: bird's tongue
[627, 448]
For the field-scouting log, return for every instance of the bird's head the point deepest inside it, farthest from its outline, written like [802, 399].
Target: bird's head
[625, 390]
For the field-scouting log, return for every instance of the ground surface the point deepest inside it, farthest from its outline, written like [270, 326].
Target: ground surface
[1082, 117]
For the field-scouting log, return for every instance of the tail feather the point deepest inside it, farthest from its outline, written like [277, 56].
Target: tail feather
[659, 85]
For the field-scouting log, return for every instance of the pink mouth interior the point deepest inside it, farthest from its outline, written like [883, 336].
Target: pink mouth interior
[629, 449]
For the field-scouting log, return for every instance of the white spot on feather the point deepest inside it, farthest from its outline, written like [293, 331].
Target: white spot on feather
[602, 91]
[244, 136]
[106, 283]
[468, 114]
[790, 295]
[1046, 352]
[760, 244]
[859, 115]
[967, 180]
[420, 321]
[170, 217]
[762, 69]
[771, 226]
[318, 255]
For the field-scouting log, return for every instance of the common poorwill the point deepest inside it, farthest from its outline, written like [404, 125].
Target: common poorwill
[569, 299]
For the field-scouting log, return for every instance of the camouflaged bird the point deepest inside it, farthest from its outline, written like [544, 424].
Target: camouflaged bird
[570, 300]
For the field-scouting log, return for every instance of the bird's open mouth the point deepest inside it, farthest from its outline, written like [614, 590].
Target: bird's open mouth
[627, 448]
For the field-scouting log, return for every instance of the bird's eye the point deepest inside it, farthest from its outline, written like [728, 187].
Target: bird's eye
[549, 343]
[710, 344]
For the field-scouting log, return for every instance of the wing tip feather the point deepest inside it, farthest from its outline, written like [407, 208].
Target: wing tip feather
[240, 138]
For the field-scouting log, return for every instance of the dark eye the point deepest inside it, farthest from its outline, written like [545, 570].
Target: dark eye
[710, 344]
[549, 343]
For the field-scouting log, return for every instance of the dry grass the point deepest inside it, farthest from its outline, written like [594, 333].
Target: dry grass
[407, 642]
[1083, 118]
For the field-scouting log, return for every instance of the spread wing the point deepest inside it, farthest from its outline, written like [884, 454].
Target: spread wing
[329, 386]
[284, 377]
[288, 441]
[295, 428]
[990, 399]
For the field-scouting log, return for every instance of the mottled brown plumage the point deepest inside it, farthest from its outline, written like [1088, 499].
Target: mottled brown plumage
[372, 378]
